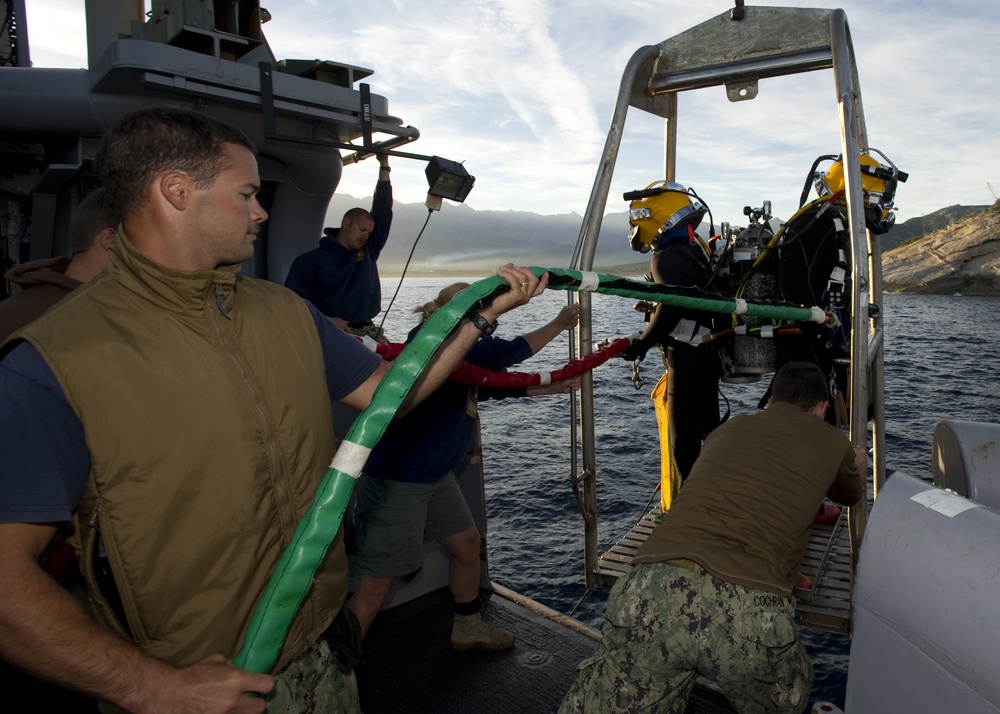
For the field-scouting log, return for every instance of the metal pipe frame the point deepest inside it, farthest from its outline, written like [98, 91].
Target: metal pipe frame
[583, 259]
[824, 44]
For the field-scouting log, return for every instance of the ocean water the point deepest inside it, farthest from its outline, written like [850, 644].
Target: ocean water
[940, 363]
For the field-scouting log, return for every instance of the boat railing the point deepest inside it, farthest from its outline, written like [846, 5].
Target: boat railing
[736, 50]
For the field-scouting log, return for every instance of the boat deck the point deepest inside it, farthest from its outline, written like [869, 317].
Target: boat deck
[827, 562]
[409, 667]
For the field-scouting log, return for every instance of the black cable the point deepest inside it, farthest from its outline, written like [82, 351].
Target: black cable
[811, 176]
[711, 221]
[799, 233]
[405, 268]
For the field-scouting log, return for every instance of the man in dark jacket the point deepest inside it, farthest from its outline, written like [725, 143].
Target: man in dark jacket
[340, 276]
[45, 282]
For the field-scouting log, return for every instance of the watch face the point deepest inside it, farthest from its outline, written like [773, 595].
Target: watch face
[484, 325]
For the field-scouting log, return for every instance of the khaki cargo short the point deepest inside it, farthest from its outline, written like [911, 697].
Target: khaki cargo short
[394, 520]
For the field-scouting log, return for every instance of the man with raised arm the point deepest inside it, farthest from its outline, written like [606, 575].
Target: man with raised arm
[193, 430]
[340, 275]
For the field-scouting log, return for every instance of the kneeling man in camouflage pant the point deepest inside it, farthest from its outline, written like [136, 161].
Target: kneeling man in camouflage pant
[710, 592]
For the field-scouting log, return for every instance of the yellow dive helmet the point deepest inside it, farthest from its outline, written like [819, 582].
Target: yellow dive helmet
[659, 209]
[878, 186]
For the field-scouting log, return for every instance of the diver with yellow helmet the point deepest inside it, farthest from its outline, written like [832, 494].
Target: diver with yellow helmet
[814, 262]
[664, 218]
[878, 187]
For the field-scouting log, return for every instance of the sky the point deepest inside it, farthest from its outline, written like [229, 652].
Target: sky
[522, 92]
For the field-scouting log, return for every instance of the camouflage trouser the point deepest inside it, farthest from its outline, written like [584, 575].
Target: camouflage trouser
[666, 624]
[312, 683]
[373, 331]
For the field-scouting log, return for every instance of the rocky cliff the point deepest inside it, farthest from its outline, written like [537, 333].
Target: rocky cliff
[961, 258]
[926, 223]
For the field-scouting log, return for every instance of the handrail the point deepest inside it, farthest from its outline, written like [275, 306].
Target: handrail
[807, 40]
[853, 135]
[793, 63]
[583, 259]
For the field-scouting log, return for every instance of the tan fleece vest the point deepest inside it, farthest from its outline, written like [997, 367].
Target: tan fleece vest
[206, 414]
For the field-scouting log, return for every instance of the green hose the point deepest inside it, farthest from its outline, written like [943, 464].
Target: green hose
[317, 528]
[562, 279]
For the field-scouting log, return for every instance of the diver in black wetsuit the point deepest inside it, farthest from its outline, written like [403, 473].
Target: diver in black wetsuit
[812, 270]
[663, 218]
[814, 267]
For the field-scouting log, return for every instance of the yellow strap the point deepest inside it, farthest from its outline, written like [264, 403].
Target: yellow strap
[670, 480]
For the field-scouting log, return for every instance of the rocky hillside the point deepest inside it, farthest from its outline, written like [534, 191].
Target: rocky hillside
[927, 223]
[963, 257]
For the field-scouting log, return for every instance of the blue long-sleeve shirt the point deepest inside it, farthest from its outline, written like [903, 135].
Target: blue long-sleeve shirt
[345, 283]
[429, 441]
[45, 460]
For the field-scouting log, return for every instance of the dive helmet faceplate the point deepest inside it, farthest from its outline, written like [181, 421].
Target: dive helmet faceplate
[878, 186]
[661, 207]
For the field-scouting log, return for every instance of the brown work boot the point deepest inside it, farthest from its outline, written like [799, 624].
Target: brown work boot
[471, 632]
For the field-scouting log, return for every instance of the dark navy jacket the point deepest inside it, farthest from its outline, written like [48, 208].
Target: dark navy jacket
[333, 278]
[433, 438]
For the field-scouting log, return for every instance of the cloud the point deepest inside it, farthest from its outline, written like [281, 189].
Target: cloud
[523, 92]
[56, 33]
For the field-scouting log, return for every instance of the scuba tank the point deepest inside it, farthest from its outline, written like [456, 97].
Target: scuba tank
[752, 272]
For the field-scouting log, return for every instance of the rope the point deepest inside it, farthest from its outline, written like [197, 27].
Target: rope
[473, 375]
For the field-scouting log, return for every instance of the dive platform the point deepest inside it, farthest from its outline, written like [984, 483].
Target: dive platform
[826, 605]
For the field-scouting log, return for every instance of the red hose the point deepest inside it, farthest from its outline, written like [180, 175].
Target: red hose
[467, 373]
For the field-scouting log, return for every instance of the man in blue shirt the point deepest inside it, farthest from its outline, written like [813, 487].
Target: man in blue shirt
[408, 494]
[189, 218]
[340, 276]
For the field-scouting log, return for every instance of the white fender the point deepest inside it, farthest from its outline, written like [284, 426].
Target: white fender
[966, 458]
[926, 611]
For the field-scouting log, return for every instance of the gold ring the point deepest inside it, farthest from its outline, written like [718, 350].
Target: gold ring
[524, 286]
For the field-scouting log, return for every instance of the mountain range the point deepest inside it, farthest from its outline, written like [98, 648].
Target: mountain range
[927, 223]
[952, 249]
[459, 240]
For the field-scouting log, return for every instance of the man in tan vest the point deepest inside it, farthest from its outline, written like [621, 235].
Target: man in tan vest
[193, 431]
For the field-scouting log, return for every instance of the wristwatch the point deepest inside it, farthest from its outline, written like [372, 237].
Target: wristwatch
[484, 325]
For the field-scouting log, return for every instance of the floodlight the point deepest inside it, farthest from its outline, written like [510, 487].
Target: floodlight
[448, 179]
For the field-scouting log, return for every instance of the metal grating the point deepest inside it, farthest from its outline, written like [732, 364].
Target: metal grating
[827, 562]
[618, 560]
